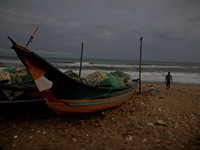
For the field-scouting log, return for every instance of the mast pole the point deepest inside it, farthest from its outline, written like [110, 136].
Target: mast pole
[140, 65]
[81, 60]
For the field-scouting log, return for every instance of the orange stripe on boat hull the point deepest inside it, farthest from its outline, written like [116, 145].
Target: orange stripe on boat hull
[62, 108]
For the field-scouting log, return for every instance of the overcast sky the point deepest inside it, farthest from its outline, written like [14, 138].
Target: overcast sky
[110, 29]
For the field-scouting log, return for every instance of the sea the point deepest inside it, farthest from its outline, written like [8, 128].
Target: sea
[152, 72]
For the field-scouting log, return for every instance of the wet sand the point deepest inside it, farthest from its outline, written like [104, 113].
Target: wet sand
[164, 119]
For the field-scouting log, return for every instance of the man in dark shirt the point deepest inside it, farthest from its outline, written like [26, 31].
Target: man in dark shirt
[168, 79]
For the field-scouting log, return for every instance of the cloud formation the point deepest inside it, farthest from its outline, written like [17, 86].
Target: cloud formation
[110, 29]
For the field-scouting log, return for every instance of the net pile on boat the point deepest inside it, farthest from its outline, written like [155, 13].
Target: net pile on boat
[16, 75]
[114, 79]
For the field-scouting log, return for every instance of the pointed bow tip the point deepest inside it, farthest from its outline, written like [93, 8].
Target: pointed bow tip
[13, 42]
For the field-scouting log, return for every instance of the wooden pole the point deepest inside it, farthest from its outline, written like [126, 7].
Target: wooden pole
[140, 65]
[81, 59]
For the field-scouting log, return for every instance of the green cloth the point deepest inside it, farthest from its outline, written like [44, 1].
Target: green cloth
[113, 80]
[117, 79]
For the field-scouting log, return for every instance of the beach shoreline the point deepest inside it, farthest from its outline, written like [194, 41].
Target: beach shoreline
[156, 119]
[174, 83]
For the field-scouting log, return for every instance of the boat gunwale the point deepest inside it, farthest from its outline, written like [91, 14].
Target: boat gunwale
[21, 101]
[17, 87]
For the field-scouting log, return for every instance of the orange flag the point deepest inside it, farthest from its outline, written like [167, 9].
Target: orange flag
[30, 40]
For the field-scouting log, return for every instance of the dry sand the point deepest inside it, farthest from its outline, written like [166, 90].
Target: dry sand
[168, 119]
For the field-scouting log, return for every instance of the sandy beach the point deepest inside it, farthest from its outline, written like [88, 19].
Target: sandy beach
[164, 119]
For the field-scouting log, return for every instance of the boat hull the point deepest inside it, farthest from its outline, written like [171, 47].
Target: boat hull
[85, 106]
[19, 94]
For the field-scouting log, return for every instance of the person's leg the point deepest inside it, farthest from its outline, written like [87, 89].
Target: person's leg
[168, 85]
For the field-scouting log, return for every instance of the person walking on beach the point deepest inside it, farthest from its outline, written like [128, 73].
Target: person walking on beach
[168, 79]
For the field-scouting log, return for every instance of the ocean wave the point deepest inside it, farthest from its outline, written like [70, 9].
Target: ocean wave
[185, 78]
[7, 62]
[151, 72]
[126, 66]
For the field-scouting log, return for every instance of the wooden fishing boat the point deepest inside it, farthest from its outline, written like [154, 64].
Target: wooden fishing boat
[64, 94]
[19, 93]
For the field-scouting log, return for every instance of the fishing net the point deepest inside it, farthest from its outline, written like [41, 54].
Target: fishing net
[16, 75]
[96, 78]
[114, 79]
[5, 76]
[123, 76]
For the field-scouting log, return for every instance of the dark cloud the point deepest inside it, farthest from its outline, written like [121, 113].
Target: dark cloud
[110, 29]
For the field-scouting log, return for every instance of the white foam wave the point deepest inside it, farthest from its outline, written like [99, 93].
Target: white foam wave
[124, 66]
[184, 78]
[7, 61]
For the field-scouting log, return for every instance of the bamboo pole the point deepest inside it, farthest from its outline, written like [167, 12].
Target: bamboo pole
[81, 60]
[140, 65]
